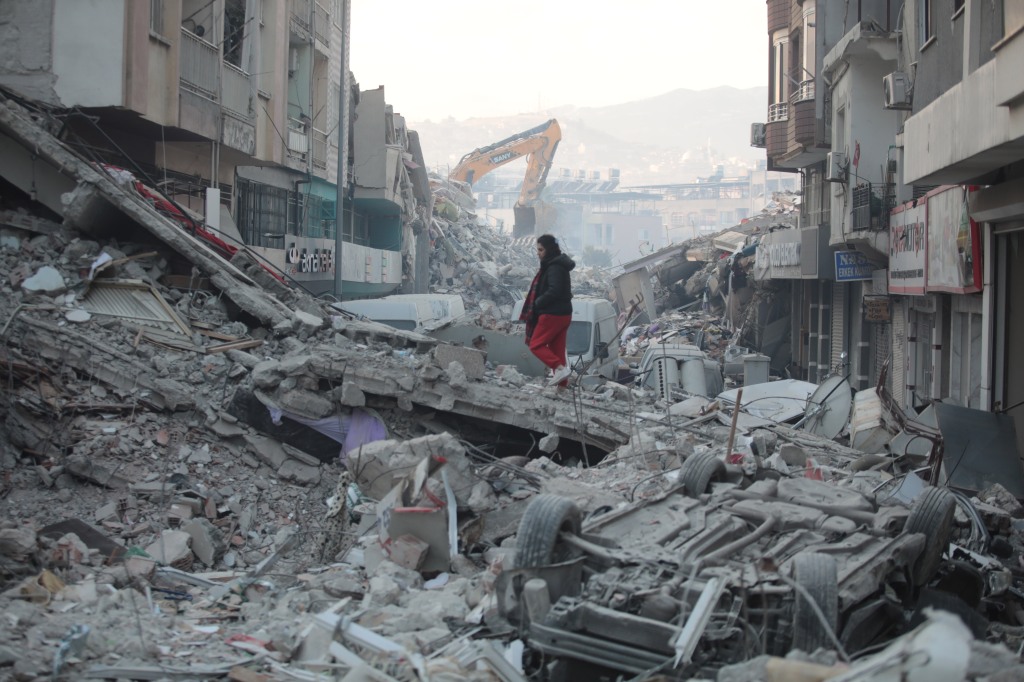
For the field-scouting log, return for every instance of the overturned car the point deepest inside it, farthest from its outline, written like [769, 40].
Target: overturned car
[712, 573]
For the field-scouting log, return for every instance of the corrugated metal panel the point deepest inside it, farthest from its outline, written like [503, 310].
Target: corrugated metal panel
[838, 323]
[136, 302]
[898, 369]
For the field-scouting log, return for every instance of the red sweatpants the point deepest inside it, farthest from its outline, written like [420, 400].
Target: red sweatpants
[548, 340]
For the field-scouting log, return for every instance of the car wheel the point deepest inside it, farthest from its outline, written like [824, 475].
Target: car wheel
[698, 471]
[818, 575]
[931, 515]
[944, 601]
[546, 517]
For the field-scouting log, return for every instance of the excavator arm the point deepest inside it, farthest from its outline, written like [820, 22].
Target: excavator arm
[538, 145]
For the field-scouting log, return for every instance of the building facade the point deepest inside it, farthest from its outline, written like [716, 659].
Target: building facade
[232, 110]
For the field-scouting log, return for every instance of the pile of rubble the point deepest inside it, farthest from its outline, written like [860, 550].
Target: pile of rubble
[211, 476]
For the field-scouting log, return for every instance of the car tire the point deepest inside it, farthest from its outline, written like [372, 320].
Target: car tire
[931, 515]
[546, 517]
[698, 471]
[818, 575]
[944, 601]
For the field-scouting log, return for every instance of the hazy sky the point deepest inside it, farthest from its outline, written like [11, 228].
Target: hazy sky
[466, 58]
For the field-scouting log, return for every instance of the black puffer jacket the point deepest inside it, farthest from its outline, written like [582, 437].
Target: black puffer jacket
[554, 291]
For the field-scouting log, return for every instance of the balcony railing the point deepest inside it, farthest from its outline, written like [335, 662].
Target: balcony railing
[298, 136]
[871, 206]
[804, 92]
[300, 12]
[237, 90]
[322, 24]
[200, 65]
[319, 148]
[778, 112]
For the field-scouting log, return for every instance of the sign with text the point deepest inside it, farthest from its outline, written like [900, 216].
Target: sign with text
[778, 256]
[876, 309]
[908, 248]
[853, 266]
[954, 244]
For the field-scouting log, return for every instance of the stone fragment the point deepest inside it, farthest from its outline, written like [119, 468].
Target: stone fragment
[793, 455]
[47, 280]
[83, 468]
[306, 404]
[295, 365]
[267, 450]
[305, 324]
[78, 315]
[303, 457]
[549, 443]
[140, 567]
[207, 541]
[351, 395]
[408, 551]
[17, 544]
[457, 375]
[471, 359]
[300, 473]
[172, 547]
[267, 374]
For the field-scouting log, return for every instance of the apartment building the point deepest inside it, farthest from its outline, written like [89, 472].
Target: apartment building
[826, 120]
[961, 96]
[232, 109]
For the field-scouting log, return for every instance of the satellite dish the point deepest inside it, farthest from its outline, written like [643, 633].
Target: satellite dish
[828, 408]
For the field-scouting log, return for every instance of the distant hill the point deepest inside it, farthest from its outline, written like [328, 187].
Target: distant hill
[659, 140]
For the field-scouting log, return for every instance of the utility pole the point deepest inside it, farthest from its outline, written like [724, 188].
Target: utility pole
[344, 120]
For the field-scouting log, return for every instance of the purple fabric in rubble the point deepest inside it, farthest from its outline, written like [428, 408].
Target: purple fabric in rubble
[363, 428]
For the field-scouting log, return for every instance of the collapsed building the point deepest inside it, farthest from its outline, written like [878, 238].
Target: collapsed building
[215, 475]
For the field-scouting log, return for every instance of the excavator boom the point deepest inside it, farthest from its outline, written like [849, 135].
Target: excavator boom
[538, 145]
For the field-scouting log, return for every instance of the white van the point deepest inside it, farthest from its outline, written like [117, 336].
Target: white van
[589, 341]
[410, 312]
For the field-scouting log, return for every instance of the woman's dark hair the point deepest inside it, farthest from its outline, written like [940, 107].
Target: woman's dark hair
[550, 244]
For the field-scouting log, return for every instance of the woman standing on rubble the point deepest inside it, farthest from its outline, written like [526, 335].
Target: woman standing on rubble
[547, 310]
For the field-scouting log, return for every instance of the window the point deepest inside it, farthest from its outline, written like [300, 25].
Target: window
[780, 68]
[958, 6]
[156, 16]
[925, 22]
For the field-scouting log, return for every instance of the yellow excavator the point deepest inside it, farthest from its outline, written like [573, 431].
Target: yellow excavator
[538, 145]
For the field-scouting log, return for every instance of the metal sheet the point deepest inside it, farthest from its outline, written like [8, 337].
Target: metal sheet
[773, 402]
[134, 301]
[980, 449]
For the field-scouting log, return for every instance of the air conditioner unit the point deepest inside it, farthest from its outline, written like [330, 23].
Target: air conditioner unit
[757, 135]
[896, 87]
[835, 167]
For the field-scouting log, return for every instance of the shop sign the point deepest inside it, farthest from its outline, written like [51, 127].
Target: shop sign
[853, 266]
[954, 244]
[778, 256]
[309, 260]
[908, 252]
[876, 309]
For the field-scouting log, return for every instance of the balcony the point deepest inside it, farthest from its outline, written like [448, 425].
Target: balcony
[298, 136]
[237, 91]
[319, 148]
[871, 206]
[778, 14]
[301, 10]
[803, 92]
[322, 24]
[778, 112]
[200, 65]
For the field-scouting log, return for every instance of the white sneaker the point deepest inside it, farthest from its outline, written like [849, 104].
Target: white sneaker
[561, 374]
